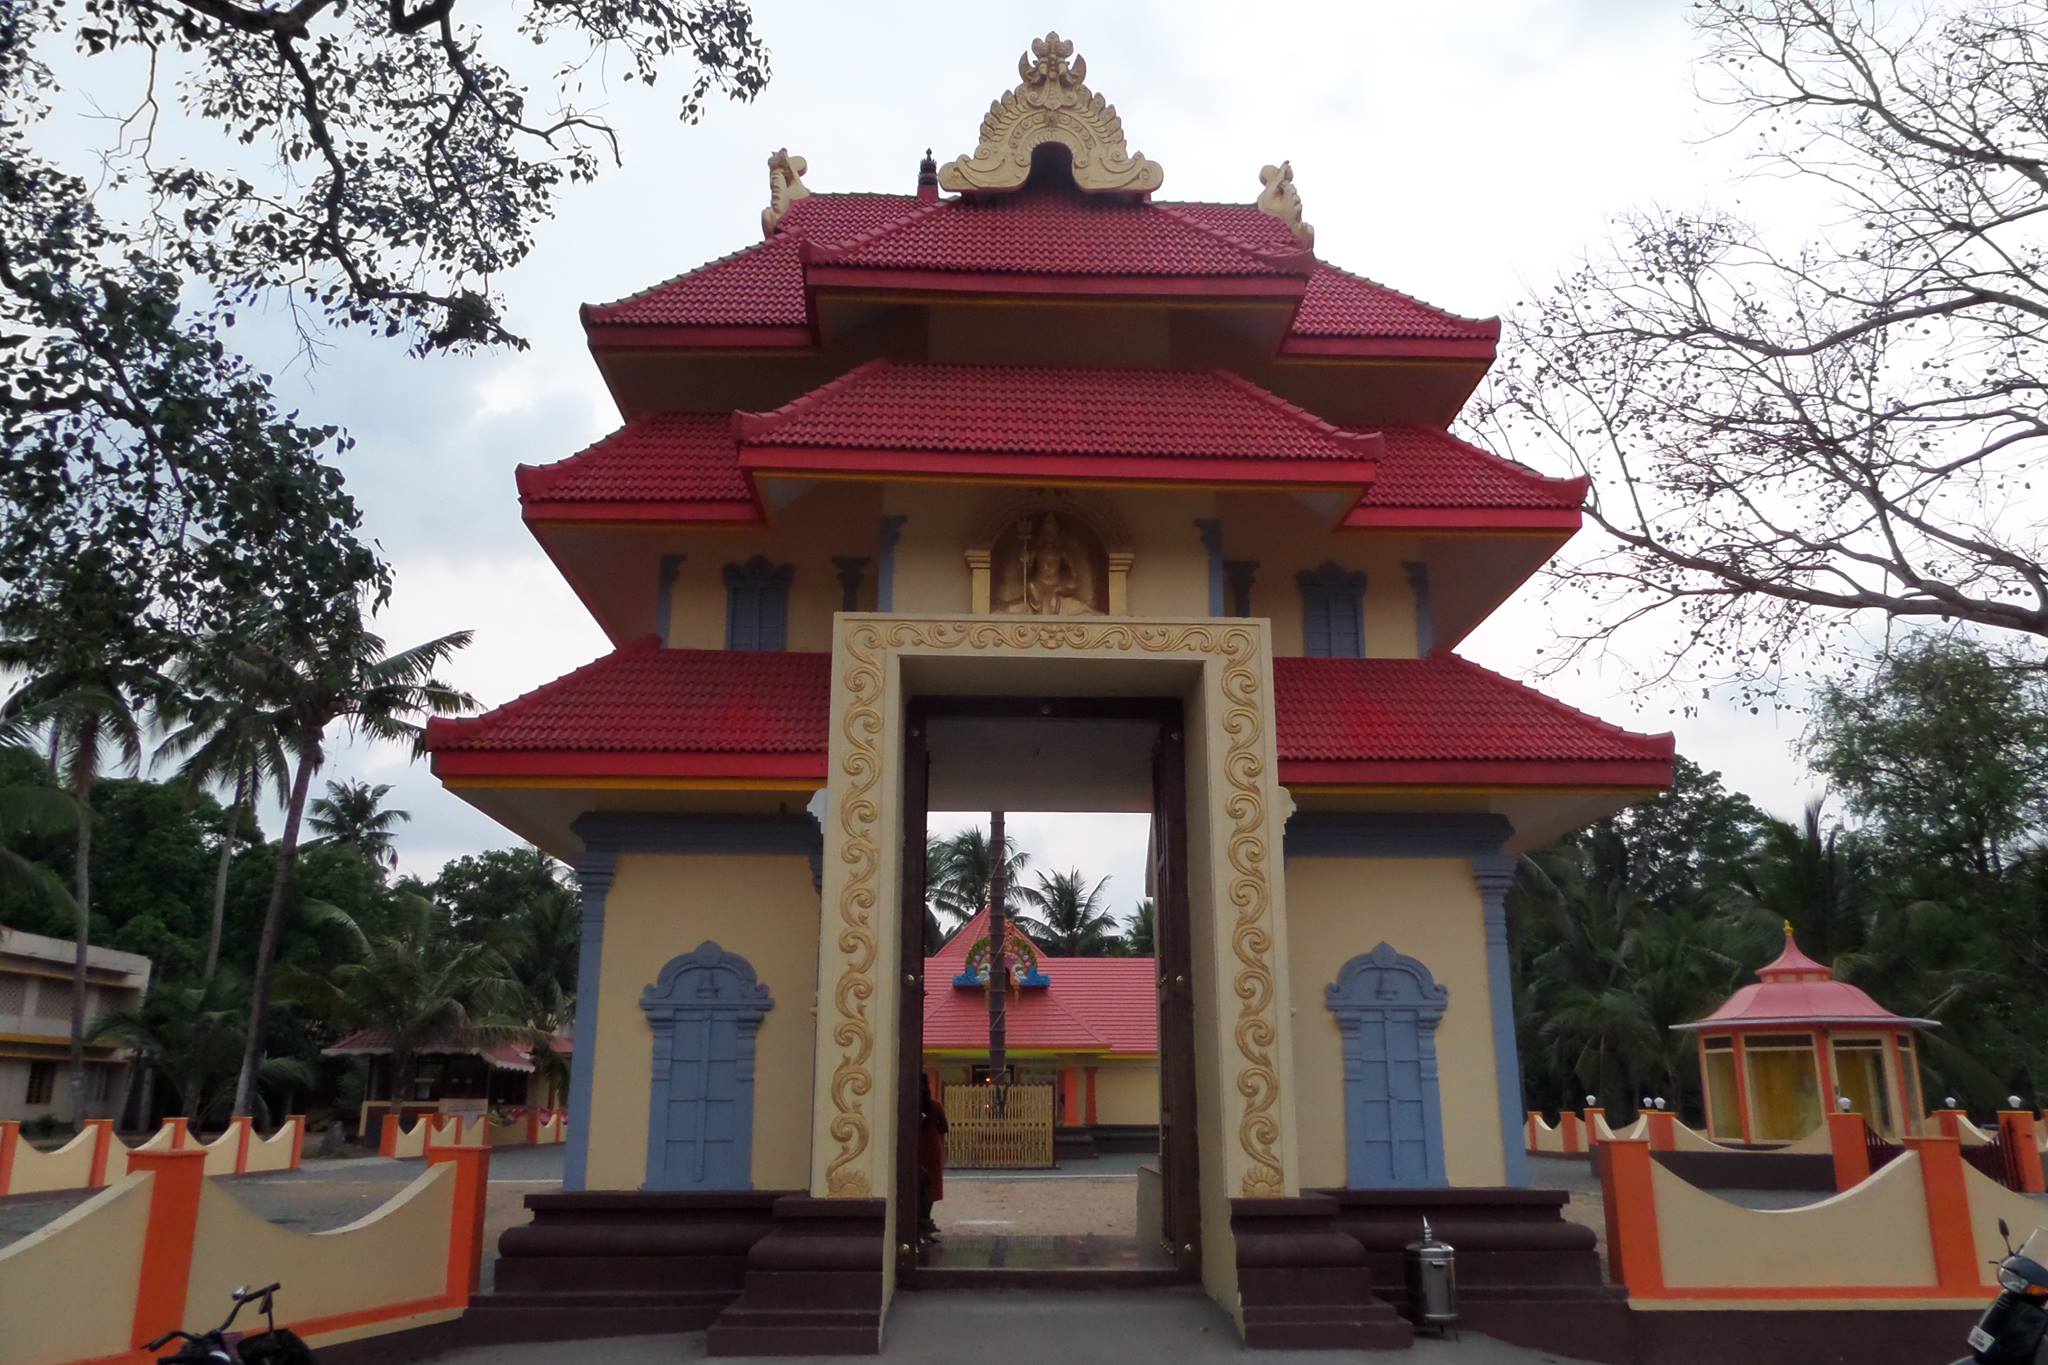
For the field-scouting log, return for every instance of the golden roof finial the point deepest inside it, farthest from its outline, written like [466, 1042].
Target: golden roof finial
[1281, 200]
[1052, 104]
[785, 186]
[1788, 928]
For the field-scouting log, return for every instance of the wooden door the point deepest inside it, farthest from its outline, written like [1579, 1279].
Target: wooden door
[910, 972]
[1387, 1104]
[1173, 953]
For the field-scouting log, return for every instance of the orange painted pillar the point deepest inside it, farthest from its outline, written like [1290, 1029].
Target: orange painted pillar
[181, 1133]
[1663, 1130]
[1948, 1216]
[1070, 1097]
[244, 1127]
[1593, 1112]
[2023, 1140]
[533, 1126]
[178, 1179]
[298, 1123]
[1091, 1097]
[10, 1142]
[387, 1134]
[1568, 1125]
[1852, 1152]
[1949, 1121]
[1529, 1131]
[1635, 1258]
[466, 1226]
[102, 1148]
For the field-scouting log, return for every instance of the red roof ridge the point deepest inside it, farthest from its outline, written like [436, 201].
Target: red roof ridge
[1366, 442]
[587, 313]
[1515, 467]
[752, 426]
[1492, 324]
[784, 227]
[453, 726]
[1299, 261]
[1666, 743]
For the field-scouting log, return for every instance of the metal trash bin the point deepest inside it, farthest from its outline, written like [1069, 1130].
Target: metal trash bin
[1432, 1273]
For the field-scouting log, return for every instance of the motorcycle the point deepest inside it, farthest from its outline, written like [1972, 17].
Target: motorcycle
[274, 1345]
[2013, 1328]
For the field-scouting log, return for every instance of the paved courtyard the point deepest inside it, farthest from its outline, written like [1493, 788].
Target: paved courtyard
[1180, 1325]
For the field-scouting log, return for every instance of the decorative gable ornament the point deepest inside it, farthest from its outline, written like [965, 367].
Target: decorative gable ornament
[1052, 105]
[1279, 199]
[785, 187]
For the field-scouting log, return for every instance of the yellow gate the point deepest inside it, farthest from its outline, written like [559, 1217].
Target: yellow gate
[1021, 1137]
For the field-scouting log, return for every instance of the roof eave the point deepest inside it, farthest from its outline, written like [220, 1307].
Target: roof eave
[1621, 775]
[1831, 1021]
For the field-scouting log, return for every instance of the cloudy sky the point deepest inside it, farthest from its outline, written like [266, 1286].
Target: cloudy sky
[1464, 152]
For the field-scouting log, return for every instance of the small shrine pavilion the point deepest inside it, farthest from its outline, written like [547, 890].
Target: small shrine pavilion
[1777, 1053]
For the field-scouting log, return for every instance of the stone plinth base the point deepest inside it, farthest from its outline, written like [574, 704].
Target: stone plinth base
[1525, 1274]
[813, 1284]
[1304, 1284]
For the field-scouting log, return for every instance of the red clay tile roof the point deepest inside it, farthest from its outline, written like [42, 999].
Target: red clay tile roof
[1093, 1003]
[757, 286]
[1049, 411]
[643, 698]
[506, 1056]
[1439, 708]
[1340, 720]
[763, 285]
[660, 457]
[1056, 234]
[1797, 990]
[1428, 467]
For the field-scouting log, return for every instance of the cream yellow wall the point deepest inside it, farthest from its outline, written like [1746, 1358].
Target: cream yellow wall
[764, 908]
[1286, 538]
[1429, 909]
[828, 520]
[1127, 1092]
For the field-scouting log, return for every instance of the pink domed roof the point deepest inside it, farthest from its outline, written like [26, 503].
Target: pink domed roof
[1796, 990]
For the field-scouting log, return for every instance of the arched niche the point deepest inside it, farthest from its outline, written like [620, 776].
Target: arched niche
[1049, 554]
[1388, 1006]
[705, 1009]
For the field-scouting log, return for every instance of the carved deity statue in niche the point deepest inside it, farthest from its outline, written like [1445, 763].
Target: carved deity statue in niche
[1046, 566]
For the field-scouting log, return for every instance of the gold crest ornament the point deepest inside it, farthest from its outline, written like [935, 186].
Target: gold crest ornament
[1053, 104]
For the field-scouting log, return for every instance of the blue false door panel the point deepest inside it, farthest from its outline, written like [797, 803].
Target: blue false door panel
[705, 1011]
[1388, 1007]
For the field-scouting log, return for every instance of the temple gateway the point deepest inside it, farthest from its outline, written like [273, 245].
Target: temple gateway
[1031, 489]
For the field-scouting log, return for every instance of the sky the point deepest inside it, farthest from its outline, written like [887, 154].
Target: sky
[1463, 152]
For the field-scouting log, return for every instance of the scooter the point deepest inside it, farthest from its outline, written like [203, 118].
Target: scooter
[273, 1346]
[2013, 1327]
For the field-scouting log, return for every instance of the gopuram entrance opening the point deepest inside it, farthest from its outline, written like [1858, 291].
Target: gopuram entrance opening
[1076, 1153]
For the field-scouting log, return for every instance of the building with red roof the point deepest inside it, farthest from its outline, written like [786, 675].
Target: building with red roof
[1032, 488]
[1783, 1049]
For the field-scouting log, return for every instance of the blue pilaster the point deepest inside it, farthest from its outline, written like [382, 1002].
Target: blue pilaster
[665, 594]
[1425, 614]
[1212, 541]
[885, 573]
[594, 873]
[1495, 873]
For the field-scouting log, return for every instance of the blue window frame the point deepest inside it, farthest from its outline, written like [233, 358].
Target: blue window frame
[1388, 1007]
[705, 1009]
[757, 605]
[1332, 613]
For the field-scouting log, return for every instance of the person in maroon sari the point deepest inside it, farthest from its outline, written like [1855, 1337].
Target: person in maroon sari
[931, 1158]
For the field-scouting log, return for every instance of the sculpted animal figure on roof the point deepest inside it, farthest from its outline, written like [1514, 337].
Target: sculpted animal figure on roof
[1053, 104]
[1281, 200]
[785, 186]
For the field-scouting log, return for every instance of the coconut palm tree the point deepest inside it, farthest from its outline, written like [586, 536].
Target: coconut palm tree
[32, 810]
[1138, 940]
[84, 704]
[354, 813]
[1072, 918]
[958, 869]
[309, 686]
[222, 734]
[190, 1033]
[416, 985]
